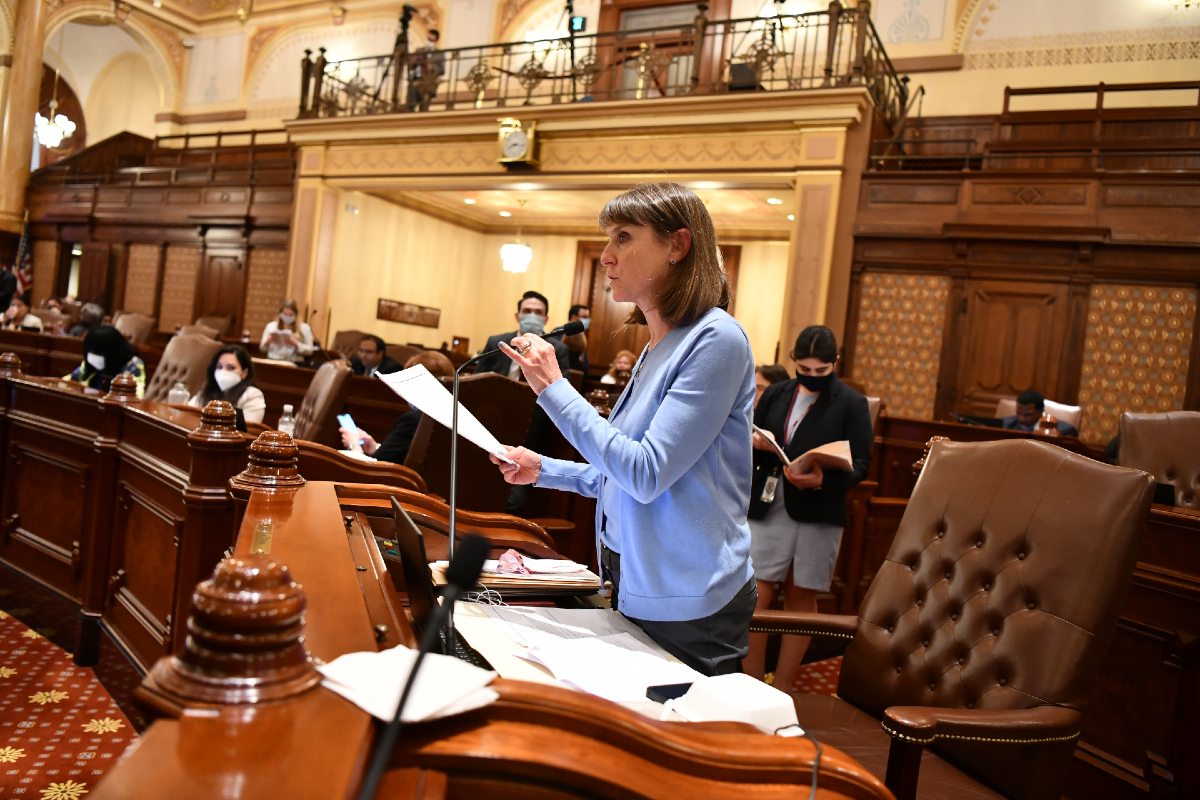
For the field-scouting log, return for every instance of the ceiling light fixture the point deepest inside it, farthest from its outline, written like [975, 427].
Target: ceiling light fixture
[792, 217]
[51, 132]
[1185, 3]
[515, 255]
[470, 201]
[506, 213]
[775, 201]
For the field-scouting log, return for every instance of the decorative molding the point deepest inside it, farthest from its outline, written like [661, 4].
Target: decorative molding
[1179, 33]
[946, 63]
[1093, 54]
[412, 159]
[194, 119]
[257, 42]
[964, 22]
[745, 150]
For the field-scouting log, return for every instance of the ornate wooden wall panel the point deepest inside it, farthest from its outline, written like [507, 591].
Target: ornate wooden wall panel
[179, 287]
[1136, 354]
[45, 268]
[266, 285]
[141, 284]
[899, 340]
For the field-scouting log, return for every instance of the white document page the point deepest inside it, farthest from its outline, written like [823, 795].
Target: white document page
[423, 391]
[617, 667]
[533, 626]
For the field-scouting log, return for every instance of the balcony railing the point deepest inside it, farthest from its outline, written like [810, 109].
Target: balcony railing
[836, 47]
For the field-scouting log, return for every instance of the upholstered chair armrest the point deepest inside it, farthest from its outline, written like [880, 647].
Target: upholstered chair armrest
[800, 623]
[924, 724]
[913, 727]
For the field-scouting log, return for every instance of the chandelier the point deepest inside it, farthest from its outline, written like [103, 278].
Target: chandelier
[515, 255]
[1185, 3]
[51, 132]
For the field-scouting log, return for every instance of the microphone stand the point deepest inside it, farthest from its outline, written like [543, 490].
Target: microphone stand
[461, 583]
[559, 331]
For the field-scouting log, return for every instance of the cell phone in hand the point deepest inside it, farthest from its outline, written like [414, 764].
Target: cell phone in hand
[347, 422]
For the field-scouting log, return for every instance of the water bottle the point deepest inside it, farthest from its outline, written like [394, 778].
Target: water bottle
[287, 423]
[178, 394]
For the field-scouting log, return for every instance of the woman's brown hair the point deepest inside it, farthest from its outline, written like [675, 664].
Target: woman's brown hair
[697, 283]
[288, 302]
[612, 368]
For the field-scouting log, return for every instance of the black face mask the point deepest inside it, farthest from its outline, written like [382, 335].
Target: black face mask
[815, 383]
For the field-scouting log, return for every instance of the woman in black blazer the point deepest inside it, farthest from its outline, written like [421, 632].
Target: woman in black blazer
[796, 520]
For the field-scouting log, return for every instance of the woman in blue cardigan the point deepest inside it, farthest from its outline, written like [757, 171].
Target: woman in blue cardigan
[671, 467]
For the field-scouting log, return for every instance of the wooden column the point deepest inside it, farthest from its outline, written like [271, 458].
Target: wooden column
[24, 87]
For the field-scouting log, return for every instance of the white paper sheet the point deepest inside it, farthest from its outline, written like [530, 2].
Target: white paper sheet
[423, 391]
[532, 626]
[618, 667]
[374, 681]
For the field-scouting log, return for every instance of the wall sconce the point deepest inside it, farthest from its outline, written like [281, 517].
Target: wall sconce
[338, 13]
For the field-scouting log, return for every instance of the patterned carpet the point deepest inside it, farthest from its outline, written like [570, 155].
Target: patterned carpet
[819, 677]
[60, 731]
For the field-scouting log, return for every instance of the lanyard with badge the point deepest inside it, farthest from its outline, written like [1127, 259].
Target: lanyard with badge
[772, 484]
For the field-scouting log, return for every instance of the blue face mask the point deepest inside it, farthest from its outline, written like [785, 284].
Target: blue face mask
[532, 323]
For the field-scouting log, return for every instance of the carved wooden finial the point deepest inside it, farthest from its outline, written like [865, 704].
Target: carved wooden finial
[920, 463]
[10, 365]
[245, 638]
[124, 387]
[273, 458]
[599, 400]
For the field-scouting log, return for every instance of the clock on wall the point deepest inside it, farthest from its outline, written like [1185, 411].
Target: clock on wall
[518, 143]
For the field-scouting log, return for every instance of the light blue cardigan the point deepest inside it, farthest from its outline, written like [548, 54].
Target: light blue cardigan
[676, 451]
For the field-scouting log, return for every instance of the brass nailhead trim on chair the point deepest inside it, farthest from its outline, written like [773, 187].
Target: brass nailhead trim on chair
[791, 632]
[1046, 740]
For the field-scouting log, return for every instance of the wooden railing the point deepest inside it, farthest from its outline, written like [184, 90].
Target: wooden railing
[836, 47]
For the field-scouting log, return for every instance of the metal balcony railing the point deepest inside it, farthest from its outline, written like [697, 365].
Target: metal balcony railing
[836, 47]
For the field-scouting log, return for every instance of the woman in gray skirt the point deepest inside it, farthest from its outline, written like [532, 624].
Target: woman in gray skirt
[796, 520]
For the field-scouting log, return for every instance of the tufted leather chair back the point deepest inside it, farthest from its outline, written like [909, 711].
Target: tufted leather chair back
[324, 400]
[1003, 585]
[346, 342]
[136, 327]
[1168, 447]
[185, 358]
[218, 324]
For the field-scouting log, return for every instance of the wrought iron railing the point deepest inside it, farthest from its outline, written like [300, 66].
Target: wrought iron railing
[836, 47]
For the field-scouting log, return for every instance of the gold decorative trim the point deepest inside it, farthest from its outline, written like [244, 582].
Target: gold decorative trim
[964, 22]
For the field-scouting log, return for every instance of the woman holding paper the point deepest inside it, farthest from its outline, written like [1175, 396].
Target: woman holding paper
[796, 519]
[671, 465]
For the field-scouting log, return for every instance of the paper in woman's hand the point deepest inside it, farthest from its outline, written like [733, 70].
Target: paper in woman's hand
[424, 392]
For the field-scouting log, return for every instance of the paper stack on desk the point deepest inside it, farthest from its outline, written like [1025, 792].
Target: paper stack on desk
[594, 650]
[374, 682]
[545, 574]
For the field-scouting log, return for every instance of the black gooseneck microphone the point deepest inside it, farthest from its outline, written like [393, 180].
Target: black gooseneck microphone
[570, 329]
[461, 576]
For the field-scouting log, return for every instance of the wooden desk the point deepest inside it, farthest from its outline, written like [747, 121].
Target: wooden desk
[536, 741]
[118, 505]
[903, 440]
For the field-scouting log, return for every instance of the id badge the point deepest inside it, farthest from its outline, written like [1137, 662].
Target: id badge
[768, 493]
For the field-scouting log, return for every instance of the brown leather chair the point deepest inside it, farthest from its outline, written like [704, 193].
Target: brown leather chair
[1168, 447]
[185, 358]
[324, 400]
[51, 317]
[401, 353]
[982, 633]
[218, 324]
[196, 330]
[136, 327]
[320, 463]
[875, 407]
[346, 342]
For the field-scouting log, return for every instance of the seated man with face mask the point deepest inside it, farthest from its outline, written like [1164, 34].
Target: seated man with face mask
[532, 313]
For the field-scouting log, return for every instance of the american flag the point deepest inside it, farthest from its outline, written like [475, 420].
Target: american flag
[23, 266]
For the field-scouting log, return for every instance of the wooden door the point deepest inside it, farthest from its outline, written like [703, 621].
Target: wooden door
[93, 273]
[608, 334]
[1013, 341]
[221, 288]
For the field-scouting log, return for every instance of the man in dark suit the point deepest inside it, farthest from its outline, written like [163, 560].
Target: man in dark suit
[8, 286]
[373, 359]
[1030, 407]
[532, 313]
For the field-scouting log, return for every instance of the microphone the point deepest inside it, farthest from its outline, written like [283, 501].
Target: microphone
[572, 328]
[461, 576]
